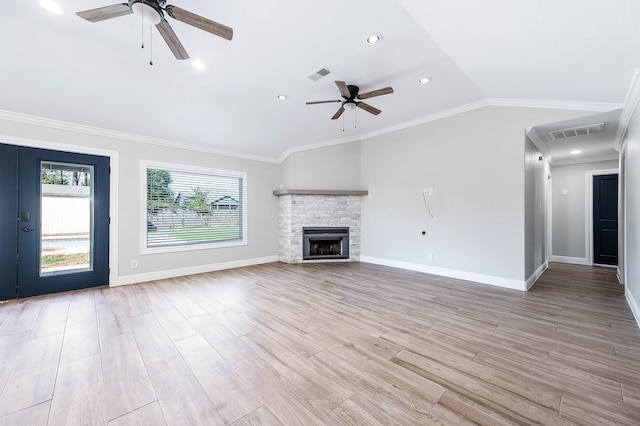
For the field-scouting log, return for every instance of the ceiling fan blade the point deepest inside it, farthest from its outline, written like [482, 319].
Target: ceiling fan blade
[322, 102]
[379, 92]
[107, 12]
[172, 40]
[344, 90]
[368, 108]
[200, 22]
[338, 113]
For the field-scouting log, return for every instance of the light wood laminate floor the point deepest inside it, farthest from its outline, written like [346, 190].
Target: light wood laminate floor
[329, 344]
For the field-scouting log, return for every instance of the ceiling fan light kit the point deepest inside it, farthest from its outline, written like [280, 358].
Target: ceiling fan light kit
[152, 12]
[349, 106]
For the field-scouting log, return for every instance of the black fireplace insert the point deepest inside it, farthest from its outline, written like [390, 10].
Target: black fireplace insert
[325, 243]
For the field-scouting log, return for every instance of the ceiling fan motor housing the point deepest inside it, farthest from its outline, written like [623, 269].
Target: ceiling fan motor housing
[351, 103]
[353, 90]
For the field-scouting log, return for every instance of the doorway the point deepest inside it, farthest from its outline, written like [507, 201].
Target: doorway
[54, 221]
[604, 223]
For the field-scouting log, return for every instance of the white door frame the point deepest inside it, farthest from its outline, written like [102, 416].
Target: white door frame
[622, 226]
[113, 187]
[589, 174]
[549, 199]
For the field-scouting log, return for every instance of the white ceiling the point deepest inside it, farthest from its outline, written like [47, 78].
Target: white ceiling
[572, 53]
[591, 147]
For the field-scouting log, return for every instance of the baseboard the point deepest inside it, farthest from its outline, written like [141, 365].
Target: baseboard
[172, 273]
[534, 277]
[568, 259]
[450, 273]
[602, 265]
[634, 307]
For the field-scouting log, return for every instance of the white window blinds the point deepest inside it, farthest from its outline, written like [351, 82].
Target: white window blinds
[186, 208]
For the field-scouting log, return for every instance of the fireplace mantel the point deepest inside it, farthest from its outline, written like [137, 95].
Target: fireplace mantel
[320, 192]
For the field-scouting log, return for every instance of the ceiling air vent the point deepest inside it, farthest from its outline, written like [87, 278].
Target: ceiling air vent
[589, 129]
[317, 75]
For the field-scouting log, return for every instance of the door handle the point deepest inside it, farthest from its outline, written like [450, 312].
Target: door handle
[25, 229]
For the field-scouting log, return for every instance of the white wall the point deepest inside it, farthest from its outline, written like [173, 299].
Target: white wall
[631, 144]
[332, 167]
[475, 164]
[262, 205]
[569, 210]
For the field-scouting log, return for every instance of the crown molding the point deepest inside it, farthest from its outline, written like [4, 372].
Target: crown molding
[537, 141]
[114, 134]
[549, 104]
[426, 119]
[516, 103]
[386, 130]
[630, 104]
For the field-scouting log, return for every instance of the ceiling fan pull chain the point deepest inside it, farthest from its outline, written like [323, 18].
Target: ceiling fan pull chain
[142, 29]
[150, 44]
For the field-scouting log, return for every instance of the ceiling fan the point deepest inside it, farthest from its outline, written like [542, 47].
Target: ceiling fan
[152, 12]
[352, 99]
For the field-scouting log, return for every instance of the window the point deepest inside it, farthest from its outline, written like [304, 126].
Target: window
[190, 208]
[66, 218]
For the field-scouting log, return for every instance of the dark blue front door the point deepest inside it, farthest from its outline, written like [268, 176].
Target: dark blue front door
[8, 221]
[54, 221]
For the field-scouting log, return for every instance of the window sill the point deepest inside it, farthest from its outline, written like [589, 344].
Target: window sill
[192, 247]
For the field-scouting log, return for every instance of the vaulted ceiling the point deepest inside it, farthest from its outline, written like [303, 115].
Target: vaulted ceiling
[576, 54]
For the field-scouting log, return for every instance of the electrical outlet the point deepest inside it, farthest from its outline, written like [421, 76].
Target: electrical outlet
[429, 256]
[134, 264]
[427, 191]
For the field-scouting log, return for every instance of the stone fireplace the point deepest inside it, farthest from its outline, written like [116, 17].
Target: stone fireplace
[331, 219]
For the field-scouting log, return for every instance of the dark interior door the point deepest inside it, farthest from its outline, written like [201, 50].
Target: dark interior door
[54, 223]
[605, 219]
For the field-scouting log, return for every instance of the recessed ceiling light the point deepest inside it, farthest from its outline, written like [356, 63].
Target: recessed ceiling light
[51, 6]
[374, 39]
[198, 64]
[576, 152]
[424, 80]
[282, 97]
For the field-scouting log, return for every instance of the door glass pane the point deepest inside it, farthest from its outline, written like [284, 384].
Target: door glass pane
[66, 218]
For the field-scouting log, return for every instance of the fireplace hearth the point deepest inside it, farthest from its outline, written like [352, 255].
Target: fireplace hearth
[325, 243]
